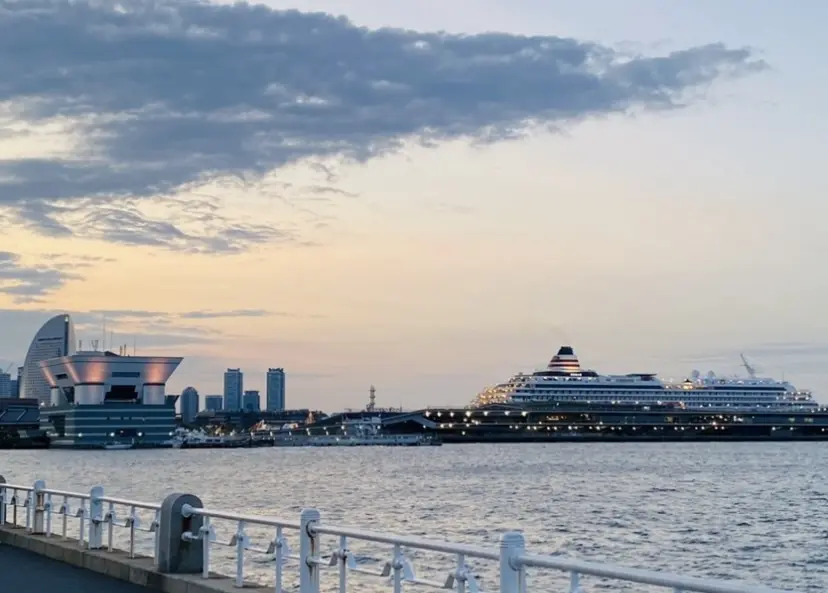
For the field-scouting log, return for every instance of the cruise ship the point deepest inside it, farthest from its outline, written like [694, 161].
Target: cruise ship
[563, 381]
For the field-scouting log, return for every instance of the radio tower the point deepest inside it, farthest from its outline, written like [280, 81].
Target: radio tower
[372, 399]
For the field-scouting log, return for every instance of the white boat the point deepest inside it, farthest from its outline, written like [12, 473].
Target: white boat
[386, 440]
[563, 381]
[118, 446]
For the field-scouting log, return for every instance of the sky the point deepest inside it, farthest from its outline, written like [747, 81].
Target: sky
[424, 196]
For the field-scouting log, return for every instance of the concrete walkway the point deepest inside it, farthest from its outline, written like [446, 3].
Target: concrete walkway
[22, 571]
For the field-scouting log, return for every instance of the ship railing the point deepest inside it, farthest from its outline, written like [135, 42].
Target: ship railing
[93, 514]
[190, 524]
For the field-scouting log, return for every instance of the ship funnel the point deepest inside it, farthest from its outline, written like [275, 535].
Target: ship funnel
[565, 361]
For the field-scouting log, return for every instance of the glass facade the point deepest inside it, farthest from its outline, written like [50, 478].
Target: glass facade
[55, 339]
[275, 390]
[189, 405]
[95, 426]
[233, 389]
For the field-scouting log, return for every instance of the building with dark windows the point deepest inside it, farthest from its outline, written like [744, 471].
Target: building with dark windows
[251, 401]
[275, 390]
[6, 385]
[233, 389]
[189, 405]
[55, 339]
[213, 403]
[105, 400]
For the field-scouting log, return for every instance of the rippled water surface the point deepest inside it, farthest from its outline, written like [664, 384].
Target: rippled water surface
[751, 511]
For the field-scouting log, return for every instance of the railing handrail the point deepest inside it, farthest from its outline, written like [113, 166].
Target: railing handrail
[640, 575]
[138, 504]
[16, 487]
[265, 520]
[407, 541]
[66, 493]
[150, 506]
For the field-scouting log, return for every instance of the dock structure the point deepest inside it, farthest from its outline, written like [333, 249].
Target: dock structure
[171, 546]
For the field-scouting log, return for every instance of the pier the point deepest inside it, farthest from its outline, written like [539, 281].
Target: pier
[176, 546]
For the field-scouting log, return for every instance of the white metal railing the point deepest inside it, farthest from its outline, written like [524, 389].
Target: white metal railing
[96, 511]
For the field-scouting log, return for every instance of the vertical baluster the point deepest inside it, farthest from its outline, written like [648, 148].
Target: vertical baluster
[96, 518]
[279, 560]
[2, 501]
[205, 550]
[308, 550]
[574, 582]
[343, 564]
[29, 504]
[14, 508]
[157, 523]
[65, 515]
[48, 515]
[110, 519]
[461, 570]
[82, 522]
[240, 555]
[512, 575]
[398, 566]
[133, 519]
[38, 507]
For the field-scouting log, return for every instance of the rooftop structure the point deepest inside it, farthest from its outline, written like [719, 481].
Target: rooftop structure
[92, 378]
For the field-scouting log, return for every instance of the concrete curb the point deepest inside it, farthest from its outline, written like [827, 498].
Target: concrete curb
[117, 564]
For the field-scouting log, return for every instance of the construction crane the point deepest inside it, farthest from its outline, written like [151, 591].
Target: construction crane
[8, 368]
[751, 370]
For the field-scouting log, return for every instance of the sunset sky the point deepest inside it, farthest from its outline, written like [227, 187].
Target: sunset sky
[348, 194]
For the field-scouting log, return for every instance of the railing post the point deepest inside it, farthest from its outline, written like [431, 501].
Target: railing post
[308, 551]
[177, 553]
[2, 501]
[38, 507]
[96, 512]
[512, 546]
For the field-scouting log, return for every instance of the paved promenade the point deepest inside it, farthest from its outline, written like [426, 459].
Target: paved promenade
[22, 571]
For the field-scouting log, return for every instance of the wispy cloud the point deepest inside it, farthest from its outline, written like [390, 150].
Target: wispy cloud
[234, 313]
[169, 93]
[27, 283]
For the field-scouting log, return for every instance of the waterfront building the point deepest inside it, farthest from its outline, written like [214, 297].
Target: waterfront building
[189, 405]
[275, 390]
[233, 389]
[99, 399]
[55, 339]
[6, 385]
[13, 389]
[213, 403]
[251, 401]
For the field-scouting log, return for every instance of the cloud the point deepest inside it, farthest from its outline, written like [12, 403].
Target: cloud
[234, 313]
[28, 284]
[165, 94]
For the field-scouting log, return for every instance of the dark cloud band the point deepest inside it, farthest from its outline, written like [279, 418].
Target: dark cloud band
[168, 93]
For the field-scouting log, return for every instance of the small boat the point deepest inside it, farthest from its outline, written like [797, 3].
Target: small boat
[117, 446]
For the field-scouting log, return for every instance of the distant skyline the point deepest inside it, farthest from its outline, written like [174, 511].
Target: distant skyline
[366, 201]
